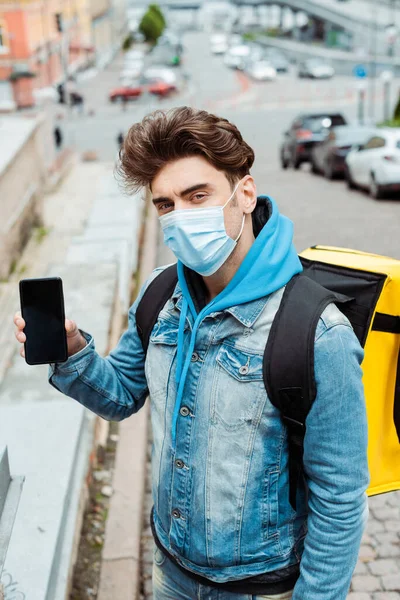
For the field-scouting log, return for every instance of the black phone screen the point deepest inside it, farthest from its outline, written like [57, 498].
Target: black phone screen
[42, 308]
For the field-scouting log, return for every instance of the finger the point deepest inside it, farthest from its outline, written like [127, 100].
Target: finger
[22, 352]
[19, 321]
[21, 337]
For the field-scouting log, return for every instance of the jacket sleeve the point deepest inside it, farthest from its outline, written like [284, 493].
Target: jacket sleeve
[114, 387]
[336, 468]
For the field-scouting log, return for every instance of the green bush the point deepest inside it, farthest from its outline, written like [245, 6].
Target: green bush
[396, 116]
[127, 43]
[391, 123]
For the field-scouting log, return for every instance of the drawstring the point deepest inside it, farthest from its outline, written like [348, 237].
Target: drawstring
[181, 333]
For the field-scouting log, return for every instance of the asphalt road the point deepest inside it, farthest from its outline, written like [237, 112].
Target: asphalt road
[323, 212]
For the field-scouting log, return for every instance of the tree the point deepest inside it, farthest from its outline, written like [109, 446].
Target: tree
[157, 11]
[152, 24]
[396, 115]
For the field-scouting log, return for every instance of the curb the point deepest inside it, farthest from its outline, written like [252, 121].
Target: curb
[120, 570]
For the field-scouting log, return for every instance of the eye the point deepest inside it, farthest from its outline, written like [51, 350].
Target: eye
[165, 207]
[200, 196]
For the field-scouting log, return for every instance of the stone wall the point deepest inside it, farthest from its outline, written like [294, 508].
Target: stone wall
[21, 185]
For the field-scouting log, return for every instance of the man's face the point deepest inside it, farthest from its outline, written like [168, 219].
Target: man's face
[190, 183]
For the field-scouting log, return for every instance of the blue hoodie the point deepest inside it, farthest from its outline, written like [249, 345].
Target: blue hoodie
[269, 264]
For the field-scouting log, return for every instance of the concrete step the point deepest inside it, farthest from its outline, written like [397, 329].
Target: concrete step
[111, 234]
[46, 442]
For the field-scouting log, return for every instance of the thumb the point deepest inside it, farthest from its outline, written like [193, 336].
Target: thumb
[70, 327]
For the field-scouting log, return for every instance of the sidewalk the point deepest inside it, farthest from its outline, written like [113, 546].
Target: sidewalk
[51, 438]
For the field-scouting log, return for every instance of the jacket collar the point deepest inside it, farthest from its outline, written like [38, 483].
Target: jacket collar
[247, 313]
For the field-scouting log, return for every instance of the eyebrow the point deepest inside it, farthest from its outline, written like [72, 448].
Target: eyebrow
[189, 190]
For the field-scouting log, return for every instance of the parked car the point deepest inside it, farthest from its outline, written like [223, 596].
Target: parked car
[260, 70]
[277, 60]
[125, 93]
[235, 39]
[131, 71]
[159, 73]
[219, 43]
[236, 55]
[134, 54]
[316, 68]
[375, 165]
[161, 88]
[328, 157]
[306, 131]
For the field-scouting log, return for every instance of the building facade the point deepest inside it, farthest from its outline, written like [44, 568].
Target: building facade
[40, 41]
[44, 41]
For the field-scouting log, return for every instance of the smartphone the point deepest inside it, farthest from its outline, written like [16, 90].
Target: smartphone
[42, 308]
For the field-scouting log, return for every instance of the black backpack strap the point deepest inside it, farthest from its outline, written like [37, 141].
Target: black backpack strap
[153, 300]
[288, 366]
[391, 324]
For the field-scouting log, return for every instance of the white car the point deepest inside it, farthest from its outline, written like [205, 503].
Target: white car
[133, 55]
[160, 74]
[131, 71]
[376, 165]
[316, 68]
[219, 43]
[261, 70]
[236, 56]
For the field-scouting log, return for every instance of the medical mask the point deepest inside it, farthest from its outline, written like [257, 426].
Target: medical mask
[198, 238]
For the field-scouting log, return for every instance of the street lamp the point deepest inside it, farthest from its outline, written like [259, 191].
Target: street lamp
[372, 58]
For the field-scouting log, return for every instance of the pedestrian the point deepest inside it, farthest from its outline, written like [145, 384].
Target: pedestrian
[58, 137]
[222, 520]
[120, 140]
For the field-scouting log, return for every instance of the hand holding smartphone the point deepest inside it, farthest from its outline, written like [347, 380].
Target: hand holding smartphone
[47, 336]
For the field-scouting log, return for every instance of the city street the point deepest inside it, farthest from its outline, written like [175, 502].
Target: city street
[323, 212]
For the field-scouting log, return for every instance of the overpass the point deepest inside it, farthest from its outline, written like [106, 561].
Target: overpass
[360, 19]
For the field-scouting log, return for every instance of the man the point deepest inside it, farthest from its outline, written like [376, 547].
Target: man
[222, 520]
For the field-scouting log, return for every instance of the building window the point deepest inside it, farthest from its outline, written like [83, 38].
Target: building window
[3, 38]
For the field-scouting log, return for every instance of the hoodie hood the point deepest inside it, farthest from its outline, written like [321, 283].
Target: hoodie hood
[269, 264]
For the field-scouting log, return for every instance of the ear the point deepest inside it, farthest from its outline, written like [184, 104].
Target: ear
[249, 194]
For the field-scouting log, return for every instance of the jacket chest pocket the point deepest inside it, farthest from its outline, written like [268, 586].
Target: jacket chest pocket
[238, 392]
[160, 356]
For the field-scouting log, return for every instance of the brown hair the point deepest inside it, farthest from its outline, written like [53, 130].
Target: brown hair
[164, 136]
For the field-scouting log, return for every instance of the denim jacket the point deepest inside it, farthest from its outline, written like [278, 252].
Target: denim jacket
[221, 500]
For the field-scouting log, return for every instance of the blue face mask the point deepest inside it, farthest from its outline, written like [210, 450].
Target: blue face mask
[198, 238]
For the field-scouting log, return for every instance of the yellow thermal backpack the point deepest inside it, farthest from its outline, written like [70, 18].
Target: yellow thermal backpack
[366, 288]
[373, 282]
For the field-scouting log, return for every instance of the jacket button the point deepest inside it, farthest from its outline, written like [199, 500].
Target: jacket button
[184, 411]
[244, 370]
[195, 357]
[176, 513]
[179, 463]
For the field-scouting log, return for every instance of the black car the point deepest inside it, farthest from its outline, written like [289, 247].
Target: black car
[328, 157]
[306, 131]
